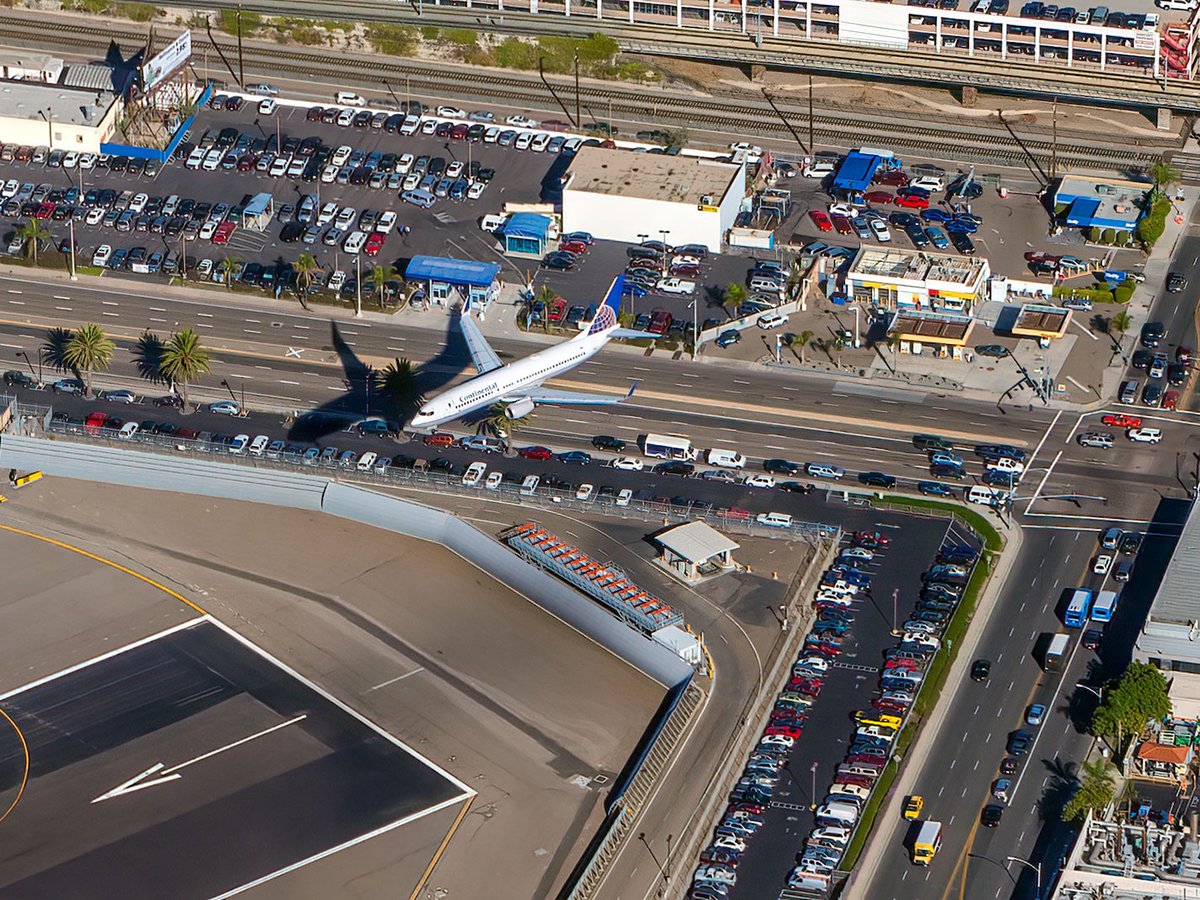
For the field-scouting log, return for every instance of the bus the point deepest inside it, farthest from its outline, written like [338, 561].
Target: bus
[1056, 652]
[1078, 609]
[668, 446]
[927, 843]
[1105, 606]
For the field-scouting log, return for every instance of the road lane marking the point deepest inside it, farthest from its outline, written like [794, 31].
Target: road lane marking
[109, 303]
[397, 678]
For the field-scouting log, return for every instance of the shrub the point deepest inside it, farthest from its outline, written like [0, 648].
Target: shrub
[1123, 293]
[463, 36]
[514, 53]
[308, 36]
[430, 32]
[392, 40]
[1108, 236]
[138, 12]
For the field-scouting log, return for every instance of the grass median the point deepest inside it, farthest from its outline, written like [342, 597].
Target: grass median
[939, 669]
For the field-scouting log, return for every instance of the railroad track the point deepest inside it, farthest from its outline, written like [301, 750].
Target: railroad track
[981, 142]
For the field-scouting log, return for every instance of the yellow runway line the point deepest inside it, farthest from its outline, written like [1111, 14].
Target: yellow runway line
[441, 849]
[107, 562]
[24, 777]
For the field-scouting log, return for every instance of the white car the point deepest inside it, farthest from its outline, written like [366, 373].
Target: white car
[238, 447]
[267, 107]
[524, 139]
[346, 98]
[208, 229]
[411, 181]
[451, 112]
[627, 463]
[95, 215]
[212, 159]
[474, 474]
[771, 320]
[354, 242]
[475, 191]
[386, 222]
[493, 481]
[521, 122]
[327, 214]
[87, 161]
[849, 210]
[774, 519]
[539, 142]
[341, 155]
[880, 230]
[1006, 464]
[624, 497]
[455, 169]
[10, 189]
[336, 281]
[1144, 435]
[138, 203]
[279, 167]
[102, 255]
[195, 158]
[225, 408]
[585, 491]
[71, 160]
[405, 163]
[346, 217]
[759, 481]
[1102, 564]
[675, 286]
[730, 842]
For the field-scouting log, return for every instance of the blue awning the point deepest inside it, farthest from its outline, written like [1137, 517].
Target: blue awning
[1083, 211]
[258, 205]
[451, 271]
[527, 225]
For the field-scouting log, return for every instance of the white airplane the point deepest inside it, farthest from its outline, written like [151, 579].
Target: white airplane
[519, 384]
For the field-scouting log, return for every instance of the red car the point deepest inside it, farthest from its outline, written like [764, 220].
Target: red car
[892, 179]
[439, 439]
[576, 247]
[753, 808]
[375, 243]
[889, 706]
[736, 513]
[842, 224]
[859, 780]
[902, 664]
[1122, 421]
[1170, 400]
[224, 232]
[820, 219]
[808, 685]
[1184, 355]
[793, 733]
[881, 539]
[459, 132]
[557, 310]
[879, 197]
[684, 272]
[46, 210]
[535, 453]
[913, 201]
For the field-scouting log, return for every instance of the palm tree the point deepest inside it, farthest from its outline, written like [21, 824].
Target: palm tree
[89, 349]
[1120, 322]
[184, 360]
[381, 275]
[306, 267]
[227, 267]
[546, 296]
[502, 425]
[399, 382]
[1162, 173]
[801, 340]
[34, 232]
[734, 296]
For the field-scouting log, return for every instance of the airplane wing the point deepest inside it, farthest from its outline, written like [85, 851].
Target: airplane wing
[551, 397]
[481, 351]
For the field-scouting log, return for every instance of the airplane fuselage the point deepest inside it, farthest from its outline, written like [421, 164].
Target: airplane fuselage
[508, 381]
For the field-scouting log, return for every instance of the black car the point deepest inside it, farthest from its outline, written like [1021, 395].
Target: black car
[991, 815]
[1130, 542]
[607, 442]
[782, 467]
[945, 470]
[997, 478]
[903, 219]
[1176, 282]
[794, 487]
[1151, 394]
[1019, 743]
[1141, 359]
[936, 489]
[18, 379]
[674, 467]
[1091, 638]
[917, 235]
[1010, 766]
[561, 261]
[981, 669]
[962, 243]
[1152, 334]
[877, 479]
[1177, 373]
[575, 457]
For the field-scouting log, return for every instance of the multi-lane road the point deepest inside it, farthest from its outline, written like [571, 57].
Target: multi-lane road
[290, 359]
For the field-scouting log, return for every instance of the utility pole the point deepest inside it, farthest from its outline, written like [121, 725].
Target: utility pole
[358, 285]
[812, 147]
[241, 60]
[578, 115]
[1054, 140]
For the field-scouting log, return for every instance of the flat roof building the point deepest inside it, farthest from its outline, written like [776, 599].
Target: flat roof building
[444, 277]
[694, 550]
[618, 195]
[21, 65]
[1100, 202]
[57, 116]
[895, 278]
[1170, 637]
[1042, 322]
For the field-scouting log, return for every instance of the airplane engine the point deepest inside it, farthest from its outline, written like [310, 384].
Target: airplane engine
[520, 408]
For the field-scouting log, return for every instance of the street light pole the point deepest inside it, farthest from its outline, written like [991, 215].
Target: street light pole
[71, 229]
[895, 603]
[358, 285]
[1036, 869]
[813, 795]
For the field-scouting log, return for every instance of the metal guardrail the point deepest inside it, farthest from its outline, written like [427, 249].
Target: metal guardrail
[441, 483]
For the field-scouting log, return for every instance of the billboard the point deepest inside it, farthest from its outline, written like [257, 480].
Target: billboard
[171, 59]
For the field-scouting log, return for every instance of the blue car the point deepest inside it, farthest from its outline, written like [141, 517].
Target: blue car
[937, 237]
[582, 237]
[936, 215]
[634, 290]
[961, 226]
[1036, 713]
[935, 489]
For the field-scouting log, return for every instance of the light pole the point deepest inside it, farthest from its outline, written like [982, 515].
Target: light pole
[1036, 869]
[695, 304]
[661, 871]
[1099, 692]
[71, 237]
[895, 602]
[49, 127]
[813, 795]
[664, 232]
[857, 329]
[357, 285]
[29, 362]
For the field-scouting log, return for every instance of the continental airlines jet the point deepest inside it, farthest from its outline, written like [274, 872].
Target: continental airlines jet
[519, 384]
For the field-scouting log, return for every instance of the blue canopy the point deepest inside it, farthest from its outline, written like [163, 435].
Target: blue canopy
[527, 225]
[451, 271]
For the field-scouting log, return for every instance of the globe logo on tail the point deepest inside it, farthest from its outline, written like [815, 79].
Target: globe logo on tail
[605, 319]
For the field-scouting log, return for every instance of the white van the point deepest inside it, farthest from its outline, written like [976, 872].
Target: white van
[930, 183]
[774, 520]
[726, 459]
[259, 444]
[354, 242]
[367, 461]
[817, 168]
[851, 790]
[986, 496]
[837, 813]
[419, 197]
[529, 485]
[348, 98]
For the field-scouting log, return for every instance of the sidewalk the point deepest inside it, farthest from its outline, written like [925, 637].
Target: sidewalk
[890, 824]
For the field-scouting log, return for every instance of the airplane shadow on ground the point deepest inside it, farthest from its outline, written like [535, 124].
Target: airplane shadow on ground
[363, 396]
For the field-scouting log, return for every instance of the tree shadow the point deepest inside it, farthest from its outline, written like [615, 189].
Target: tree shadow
[54, 350]
[362, 397]
[148, 355]
[1061, 784]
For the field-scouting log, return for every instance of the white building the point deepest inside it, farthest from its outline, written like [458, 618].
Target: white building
[55, 116]
[21, 65]
[896, 278]
[619, 195]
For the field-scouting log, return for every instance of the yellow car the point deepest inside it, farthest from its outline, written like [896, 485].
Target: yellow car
[913, 806]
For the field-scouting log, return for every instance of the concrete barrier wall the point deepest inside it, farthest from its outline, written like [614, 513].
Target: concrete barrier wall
[155, 471]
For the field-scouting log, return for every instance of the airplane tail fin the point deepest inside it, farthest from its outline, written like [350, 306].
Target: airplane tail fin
[607, 314]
